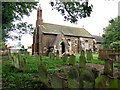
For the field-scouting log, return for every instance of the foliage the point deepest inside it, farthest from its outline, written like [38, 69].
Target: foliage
[115, 45]
[13, 11]
[17, 30]
[72, 10]
[2, 45]
[112, 33]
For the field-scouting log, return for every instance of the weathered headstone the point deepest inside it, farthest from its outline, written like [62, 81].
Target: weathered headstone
[72, 59]
[57, 55]
[86, 79]
[51, 55]
[65, 57]
[73, 78]
[43, 73]
[22, 63]
[89, 54]
[56, 82]
[82, 59]
[108, 67]
[19, 61]
[100, 82]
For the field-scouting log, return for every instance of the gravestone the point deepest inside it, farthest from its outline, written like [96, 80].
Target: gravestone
[57, 55]
[73, 78]
[108, 67]
[43, 73]
[56, 82]
[51, 56]
[82, 59]
[65, 57]
[89, 54]
[15, 60]
[22, 63]
[114, 83]
[100, 82]
[19, 61]
[72, 59]
[86, 78]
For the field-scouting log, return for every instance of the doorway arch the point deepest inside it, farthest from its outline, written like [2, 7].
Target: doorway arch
[62, 47]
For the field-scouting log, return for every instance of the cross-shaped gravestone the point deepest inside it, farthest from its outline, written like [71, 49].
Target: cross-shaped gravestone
[72, 59]
[82, 59]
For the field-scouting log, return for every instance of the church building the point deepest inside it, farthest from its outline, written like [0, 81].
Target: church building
[61, 39]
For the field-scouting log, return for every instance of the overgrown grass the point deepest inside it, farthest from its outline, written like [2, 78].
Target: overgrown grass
[13, 77]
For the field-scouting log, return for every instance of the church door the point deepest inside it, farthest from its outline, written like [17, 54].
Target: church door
[63, 47]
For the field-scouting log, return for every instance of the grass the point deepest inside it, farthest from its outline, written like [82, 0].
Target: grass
[13, 77]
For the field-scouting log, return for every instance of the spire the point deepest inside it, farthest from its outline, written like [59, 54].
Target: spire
[39, 16]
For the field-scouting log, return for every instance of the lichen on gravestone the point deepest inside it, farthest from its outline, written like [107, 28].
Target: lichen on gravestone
[89, 54]
[51, 55]
[43, 73]
[108, 67]
[100, 82]
[56, 82]
[86, 78]
[73, 78]
[57, 56]
[72, 59]
[65, 57]
[82, 59]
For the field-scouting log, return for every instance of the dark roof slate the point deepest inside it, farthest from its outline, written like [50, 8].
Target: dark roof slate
[97, 38]
[49, 28]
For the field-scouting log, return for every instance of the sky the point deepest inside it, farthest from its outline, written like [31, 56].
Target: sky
[103, 11]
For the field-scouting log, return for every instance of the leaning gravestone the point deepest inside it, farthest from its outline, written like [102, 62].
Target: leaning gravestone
[82, 59]
[89, 54]
[73, 78]
[72, 59]
[56, 82]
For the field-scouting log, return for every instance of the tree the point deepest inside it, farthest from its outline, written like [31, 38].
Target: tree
[72, 11]
[111, 38]
[13, 11]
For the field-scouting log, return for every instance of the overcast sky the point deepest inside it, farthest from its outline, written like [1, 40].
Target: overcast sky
[103, 11]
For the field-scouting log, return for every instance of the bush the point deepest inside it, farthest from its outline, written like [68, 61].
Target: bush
[115, 45]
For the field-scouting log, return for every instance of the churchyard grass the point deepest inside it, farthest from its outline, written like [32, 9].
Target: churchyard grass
[13, 77]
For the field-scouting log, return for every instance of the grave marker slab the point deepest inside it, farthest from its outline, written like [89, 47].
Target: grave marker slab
[89, 54]
[108, 67]
[56, 82]
[73, 78]
[65, 57]
[82, 59]
[72, 59]
[43, 73]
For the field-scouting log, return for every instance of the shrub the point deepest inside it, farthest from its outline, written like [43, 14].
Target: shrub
[115, 45]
